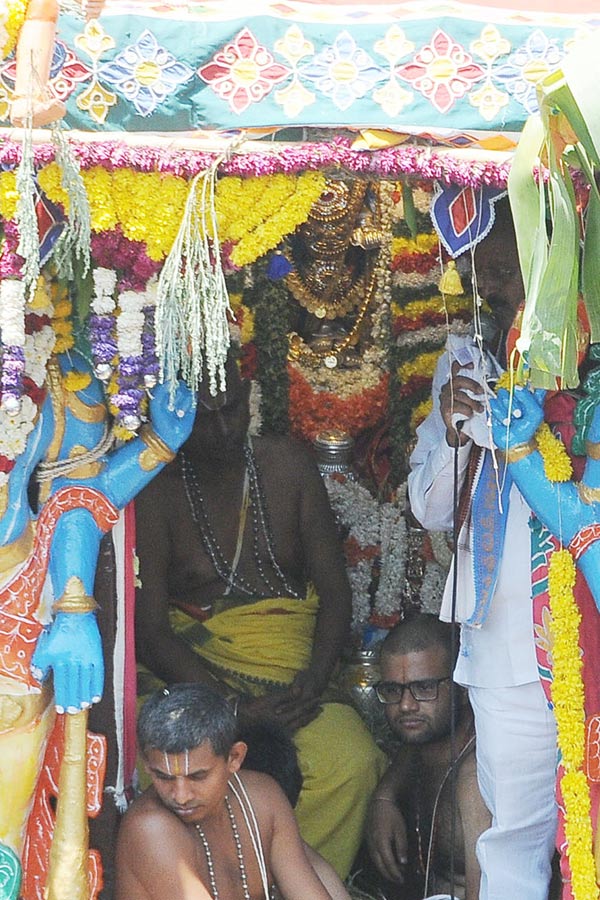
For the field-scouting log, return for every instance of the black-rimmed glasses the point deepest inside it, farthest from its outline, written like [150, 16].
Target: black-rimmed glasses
[393, 691]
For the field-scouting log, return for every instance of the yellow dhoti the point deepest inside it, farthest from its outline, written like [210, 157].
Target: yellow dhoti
[259, 647]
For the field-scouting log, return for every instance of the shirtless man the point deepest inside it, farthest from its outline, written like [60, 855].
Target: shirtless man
[202, 830]
[244, 587]
[416, 676]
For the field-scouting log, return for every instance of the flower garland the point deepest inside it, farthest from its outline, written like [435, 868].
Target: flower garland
[8, 195]
[18, 417]
[269, 304]
[122, 341]
[557, 465]
[130, 378]
[62, 322]
[112, 250]
[313, 411]
[11, 22]
[375, 549]
[102, 322]
[567, 681]
[256, 213]
[568, 701]
[423, 162]
[12, 329]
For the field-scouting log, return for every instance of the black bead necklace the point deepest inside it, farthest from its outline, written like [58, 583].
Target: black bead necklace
[260, 527]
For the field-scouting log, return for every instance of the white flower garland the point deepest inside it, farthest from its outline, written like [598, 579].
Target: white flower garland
[38, 348]
[254, 404]
[372, 525]
[130, 323]
[432, 587]
[17, 421]
[15, 428]
[12, 312]
[105, 281]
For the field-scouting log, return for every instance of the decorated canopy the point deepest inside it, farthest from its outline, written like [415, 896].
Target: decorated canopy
[447, 69]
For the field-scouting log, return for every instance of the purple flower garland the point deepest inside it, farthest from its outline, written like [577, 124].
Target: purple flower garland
[423, 162]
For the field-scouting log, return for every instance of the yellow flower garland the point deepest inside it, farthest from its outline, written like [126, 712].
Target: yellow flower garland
[76, 381]
[423, 243]
[12, 18]
[567, 684]
[283, 208]
[257, 213]
[8, 195]
[420, 413]
[61, 318]
[417, 308]
[568, 700]
[557, 464]
[423, 365]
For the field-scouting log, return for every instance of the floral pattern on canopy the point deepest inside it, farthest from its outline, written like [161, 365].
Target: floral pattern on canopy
[417, 67]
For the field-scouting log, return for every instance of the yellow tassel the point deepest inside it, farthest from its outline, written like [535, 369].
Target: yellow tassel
[450, 282]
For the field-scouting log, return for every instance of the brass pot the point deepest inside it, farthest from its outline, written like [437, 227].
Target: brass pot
[359, 673]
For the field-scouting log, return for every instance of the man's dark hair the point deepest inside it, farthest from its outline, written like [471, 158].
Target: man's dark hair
[418, 631]
[272, 751]
[183, 716]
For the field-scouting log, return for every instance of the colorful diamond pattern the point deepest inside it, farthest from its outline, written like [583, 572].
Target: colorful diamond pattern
[443, 71]
[526, 66]
[243, 72]
[343, 71]
[145, 73]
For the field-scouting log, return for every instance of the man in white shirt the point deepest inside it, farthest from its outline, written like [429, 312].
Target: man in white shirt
[516, 732]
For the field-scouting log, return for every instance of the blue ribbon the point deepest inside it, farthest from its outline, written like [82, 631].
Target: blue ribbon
[489, 527]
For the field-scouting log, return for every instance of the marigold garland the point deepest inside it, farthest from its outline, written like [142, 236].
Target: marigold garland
[11, 21]
[8, 195]
[420, 413]
[423, 366]
[257, 213]
[568, 700]
[418, 314]
[314, 411]
[61, 322]
[557, 464]
[567, 689]
[76, 381]
[422, 244]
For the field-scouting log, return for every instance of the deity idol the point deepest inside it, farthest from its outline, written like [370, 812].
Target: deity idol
[49, 625]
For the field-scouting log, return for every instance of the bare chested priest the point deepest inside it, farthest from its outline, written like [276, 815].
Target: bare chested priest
[244, 587]
[202, 829]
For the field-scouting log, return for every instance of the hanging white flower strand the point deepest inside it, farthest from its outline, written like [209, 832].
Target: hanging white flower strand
[192, 332]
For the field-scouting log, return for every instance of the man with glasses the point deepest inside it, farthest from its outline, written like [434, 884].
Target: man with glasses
[427, 812]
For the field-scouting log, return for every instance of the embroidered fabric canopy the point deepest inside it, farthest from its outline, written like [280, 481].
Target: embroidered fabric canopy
[451, 70]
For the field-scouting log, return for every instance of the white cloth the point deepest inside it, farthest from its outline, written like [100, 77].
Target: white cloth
[516, 768]
[502, 651]
[516, 736]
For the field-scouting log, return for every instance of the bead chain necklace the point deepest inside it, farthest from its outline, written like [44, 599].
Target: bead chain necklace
[260, 526]
[425, 864]
[239, 851]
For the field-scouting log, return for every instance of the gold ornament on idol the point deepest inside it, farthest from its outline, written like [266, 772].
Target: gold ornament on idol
[75, 599]
[324, 282]
[156, 452]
